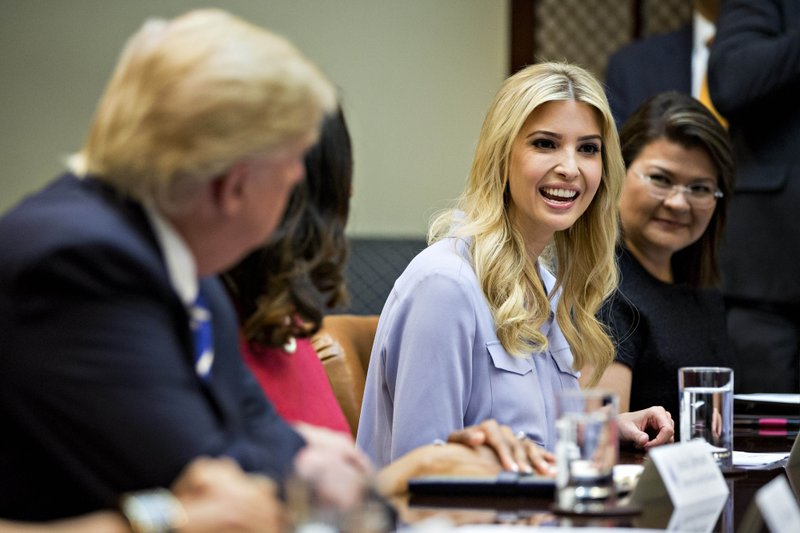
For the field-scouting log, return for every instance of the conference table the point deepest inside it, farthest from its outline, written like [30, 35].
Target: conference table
[538, 511]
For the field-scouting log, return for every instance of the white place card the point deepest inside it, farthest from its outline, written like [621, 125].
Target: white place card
[684, 472]
[778, 506]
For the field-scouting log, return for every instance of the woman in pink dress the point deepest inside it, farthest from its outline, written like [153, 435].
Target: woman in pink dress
[283, 289]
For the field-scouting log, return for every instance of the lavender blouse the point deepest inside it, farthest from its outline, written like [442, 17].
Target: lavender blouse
[438, 366]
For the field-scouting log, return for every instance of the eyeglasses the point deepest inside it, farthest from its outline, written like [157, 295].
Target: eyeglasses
[698, 195]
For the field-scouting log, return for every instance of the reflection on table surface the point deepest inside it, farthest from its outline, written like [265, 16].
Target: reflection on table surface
[743, 484]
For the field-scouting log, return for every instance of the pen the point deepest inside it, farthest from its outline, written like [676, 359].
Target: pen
[773, 432]
[767, 423]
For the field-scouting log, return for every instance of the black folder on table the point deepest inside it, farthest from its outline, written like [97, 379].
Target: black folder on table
[504, 484]
[767, 404]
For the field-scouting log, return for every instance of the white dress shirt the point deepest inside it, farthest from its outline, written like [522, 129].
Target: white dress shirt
[703, 31]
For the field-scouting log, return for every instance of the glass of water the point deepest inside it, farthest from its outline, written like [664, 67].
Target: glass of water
[706, 403]
[587, 449]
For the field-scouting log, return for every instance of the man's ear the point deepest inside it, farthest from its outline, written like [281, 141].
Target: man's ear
[228, 190]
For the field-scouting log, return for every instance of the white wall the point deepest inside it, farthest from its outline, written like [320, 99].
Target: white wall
[416, 77]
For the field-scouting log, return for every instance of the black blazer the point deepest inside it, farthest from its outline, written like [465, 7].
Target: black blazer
[754, 81]
[647, 67]
[97, 389]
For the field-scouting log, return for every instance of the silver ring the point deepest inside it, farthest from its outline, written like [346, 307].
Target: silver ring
[522, 436]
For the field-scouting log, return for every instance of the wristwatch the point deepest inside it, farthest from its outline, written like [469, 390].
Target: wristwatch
[152, 511]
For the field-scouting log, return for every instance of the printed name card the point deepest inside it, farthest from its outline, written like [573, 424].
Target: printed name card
[686, 471]
[778, 506]
[685, 477]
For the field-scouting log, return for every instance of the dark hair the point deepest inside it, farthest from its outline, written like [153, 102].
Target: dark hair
[681, 119]
[283, 289]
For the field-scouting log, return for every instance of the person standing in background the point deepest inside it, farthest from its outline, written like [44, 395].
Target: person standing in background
[674, 61]
[754, 81]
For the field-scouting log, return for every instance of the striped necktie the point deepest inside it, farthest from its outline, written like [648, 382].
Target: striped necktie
[200, 323]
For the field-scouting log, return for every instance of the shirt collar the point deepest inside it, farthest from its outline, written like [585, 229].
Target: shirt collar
[703, 30]
[181, 267]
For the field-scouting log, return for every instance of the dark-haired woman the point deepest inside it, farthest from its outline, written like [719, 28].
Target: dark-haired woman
[668, 311]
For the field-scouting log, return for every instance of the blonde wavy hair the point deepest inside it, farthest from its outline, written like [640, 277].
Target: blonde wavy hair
[582, 256]
[191, 96]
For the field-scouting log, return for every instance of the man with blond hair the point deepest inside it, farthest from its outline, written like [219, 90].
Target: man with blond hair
[120, 359]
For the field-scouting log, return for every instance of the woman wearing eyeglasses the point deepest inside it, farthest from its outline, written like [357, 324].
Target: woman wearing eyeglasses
[667, 312]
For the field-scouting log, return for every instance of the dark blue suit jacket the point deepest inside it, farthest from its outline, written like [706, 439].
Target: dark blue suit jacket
[645, 68]
[97, 390]
[754, 80]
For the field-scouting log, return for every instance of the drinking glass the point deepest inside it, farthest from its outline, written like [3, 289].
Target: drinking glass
[706, 409]
[587, 449]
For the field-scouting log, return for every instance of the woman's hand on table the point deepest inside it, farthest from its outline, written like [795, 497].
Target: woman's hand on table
[515, 452]
[634, 426]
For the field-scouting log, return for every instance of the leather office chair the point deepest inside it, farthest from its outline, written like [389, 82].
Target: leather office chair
[344, 344]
